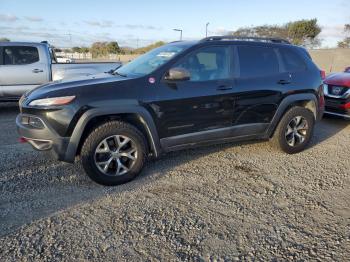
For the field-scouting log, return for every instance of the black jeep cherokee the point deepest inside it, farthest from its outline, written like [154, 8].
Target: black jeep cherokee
[180, 95]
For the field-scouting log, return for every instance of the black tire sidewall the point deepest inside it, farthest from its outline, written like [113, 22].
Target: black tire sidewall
[96, 137]
[292, 113]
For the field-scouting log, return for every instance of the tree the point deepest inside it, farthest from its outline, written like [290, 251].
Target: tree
[263, 31]
[84, 50]
[145, 49]
[104, 48]
[76, 49]
[302, 32]
[347, 28]
[113, 48]
[346, 42]
[4, 39]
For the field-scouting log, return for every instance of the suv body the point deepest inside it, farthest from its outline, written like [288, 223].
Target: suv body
[177, 96]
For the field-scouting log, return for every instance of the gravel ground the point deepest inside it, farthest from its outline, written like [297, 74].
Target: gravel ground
[241, 201]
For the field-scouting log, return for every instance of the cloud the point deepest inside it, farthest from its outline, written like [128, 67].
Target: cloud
[24, 31]
[102, 24]
[144, 27]
[62, 38]
[109, 23]
[8, 18]
[16, 29]
[33, 18]
[333, 31]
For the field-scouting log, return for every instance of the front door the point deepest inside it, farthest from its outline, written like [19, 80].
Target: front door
[197, 108]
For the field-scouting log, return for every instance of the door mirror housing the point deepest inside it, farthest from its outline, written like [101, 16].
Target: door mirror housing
[177, 74]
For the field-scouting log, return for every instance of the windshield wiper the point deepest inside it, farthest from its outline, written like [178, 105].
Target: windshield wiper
[119, 74]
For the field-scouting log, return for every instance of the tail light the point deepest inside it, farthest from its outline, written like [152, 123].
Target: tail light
[22, 140]
[323, 74]
[322, 101]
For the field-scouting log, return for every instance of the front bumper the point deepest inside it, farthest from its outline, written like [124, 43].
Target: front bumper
[43, 139]
[335, 107]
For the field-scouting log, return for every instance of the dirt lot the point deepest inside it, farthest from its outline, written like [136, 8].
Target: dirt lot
[230, 202]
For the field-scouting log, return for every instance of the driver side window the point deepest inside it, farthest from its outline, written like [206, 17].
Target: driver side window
[211, 63]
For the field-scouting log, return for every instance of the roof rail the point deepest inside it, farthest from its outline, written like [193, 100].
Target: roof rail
[246, 38]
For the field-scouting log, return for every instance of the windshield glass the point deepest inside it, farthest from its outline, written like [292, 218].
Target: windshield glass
[150, 61]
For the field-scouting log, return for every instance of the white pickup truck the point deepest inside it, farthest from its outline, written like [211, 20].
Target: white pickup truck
[24, 66]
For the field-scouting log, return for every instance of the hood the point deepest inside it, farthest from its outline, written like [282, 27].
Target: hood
[85, 77]
[338, 79]
[77, 82]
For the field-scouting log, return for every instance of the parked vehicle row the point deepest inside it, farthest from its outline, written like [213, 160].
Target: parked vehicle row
[24, 66]
[180, 95]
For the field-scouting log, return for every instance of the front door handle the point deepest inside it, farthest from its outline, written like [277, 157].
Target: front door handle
[283, 82]
[37, 71]
[224, 87]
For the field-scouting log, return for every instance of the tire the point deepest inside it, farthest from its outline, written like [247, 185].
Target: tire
[108, 163]
[289, 127]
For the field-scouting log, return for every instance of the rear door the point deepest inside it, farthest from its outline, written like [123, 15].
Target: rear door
[259, 85]
[23, 68]
[293, 63]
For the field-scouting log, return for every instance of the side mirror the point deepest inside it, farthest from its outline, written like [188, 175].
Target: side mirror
[347, 70]
[177, 74]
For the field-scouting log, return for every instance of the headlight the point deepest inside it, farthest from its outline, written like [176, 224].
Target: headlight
[52, 101]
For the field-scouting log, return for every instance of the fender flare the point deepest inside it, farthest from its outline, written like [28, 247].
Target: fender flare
[144, 117]
[285, 103]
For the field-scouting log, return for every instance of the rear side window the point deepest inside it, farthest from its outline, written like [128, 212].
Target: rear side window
[292, 61]
[257, 61]
[20, 55]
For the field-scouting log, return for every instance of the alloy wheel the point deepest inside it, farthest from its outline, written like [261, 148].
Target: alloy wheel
[116, 155]
[296, 131]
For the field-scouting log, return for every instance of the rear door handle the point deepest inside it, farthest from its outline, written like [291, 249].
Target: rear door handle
[224, 87]
[283, 82]
[37, 70]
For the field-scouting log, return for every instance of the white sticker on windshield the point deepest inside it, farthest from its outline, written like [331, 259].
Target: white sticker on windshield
[166, 54]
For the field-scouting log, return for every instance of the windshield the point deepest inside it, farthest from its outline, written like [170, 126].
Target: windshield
[150, 61]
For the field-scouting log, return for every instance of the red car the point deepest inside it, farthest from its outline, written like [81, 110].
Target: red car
[337, 94]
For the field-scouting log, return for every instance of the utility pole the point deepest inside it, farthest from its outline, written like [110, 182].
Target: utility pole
[179, 30]
[206, 29]
[70, 38]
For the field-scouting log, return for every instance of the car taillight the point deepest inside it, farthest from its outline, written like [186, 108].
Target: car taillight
[321, 94]
[323, 74]
[22, 140]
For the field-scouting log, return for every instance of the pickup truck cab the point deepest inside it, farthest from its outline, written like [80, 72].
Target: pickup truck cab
[24, 66]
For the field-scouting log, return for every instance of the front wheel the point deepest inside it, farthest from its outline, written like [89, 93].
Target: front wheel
[295, 130]
[113, 153]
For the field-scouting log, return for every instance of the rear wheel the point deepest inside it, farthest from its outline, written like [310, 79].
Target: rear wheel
[295, 130]
[113, 153]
